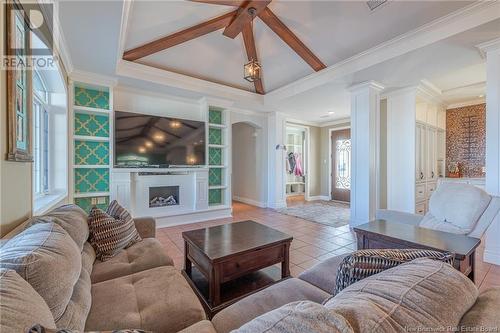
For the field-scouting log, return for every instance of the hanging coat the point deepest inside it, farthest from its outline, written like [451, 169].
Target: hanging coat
[298, 171]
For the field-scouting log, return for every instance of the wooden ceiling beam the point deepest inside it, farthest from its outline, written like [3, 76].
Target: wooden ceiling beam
[180, 37]
[243, 18]
[252, 54]
[291, 39]
[235, 3]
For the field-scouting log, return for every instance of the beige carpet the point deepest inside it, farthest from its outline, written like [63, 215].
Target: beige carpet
[330, 213]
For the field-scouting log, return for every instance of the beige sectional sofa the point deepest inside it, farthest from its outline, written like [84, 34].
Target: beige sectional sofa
[49, 266]
[49, 275]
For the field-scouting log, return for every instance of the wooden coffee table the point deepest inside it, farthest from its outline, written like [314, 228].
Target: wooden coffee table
[233, 260]
[381, 234]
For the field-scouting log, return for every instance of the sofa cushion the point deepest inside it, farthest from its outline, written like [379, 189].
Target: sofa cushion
[48, 258]
[423, 293]
[364, 263]
[111, 232]
[159, 300]
[204, 326]
[484, 313]
[78, 307]
[447, 211]
[20, 305]
[297, 317]
[323, 274]
[270, 298]
[71, 218]
[146, 254]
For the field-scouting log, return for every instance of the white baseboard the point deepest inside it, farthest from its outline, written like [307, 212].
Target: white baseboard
[318, 197]
[249, 201]
[491, 257]
[206, 215]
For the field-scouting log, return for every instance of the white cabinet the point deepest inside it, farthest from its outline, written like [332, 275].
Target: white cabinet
[429, 161]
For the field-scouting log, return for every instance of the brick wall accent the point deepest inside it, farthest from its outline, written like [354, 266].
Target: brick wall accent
[466, 139]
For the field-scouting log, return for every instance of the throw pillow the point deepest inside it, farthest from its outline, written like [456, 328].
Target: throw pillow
[364, 263]
[111, 231]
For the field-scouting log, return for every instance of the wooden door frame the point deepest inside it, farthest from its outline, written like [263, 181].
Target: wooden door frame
[330, 152]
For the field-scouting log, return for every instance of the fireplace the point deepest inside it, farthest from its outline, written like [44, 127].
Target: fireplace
[161, 196]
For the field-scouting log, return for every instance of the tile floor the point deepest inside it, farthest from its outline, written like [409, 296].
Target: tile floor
[312, 242]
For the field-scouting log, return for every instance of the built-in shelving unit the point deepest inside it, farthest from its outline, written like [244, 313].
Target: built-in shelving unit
[91, 144]
[218, 158]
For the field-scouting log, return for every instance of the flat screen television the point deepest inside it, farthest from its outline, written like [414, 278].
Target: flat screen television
[146, 141]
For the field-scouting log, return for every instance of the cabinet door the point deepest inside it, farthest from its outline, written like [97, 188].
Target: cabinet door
[431, 154]
[421, 152]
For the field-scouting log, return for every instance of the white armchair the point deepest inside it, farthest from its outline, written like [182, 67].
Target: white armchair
[456, 208]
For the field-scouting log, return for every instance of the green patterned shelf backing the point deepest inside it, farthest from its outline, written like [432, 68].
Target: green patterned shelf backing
[91, 98]
[91, 153]
[214, 196]
[214, 176]
[86, 203]
[215, 156]
[91, 180]
[91, 125]
[215, 116]
[215, 136]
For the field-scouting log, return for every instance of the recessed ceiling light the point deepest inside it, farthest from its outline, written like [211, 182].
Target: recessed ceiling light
[331, 112]
[481, 96]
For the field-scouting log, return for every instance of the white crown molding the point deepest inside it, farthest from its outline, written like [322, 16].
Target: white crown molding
[301, 122]
[92, 78]
[60, 41]
[368, 84]
[491, 45]
[336, 122]
[167, 78]
[467, 18]
[477, 85]
[467, 103]
[399, 91]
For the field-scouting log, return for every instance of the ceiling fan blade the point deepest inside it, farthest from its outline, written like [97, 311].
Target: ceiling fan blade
[251, 50]
[235, 3]
[243, 18]
[179, 37]
[291, 39]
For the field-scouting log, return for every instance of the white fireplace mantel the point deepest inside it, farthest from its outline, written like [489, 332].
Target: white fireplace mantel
[130, 187]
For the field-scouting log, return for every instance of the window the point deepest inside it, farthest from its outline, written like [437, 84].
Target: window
[40, 137]
[343, 160]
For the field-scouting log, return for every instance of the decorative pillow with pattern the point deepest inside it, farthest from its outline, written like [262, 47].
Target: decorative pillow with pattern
[364, 263]
[111, 231]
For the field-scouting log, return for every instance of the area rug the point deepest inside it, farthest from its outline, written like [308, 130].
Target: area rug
[330, 213]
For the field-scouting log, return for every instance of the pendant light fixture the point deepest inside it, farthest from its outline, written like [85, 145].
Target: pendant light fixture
[252, 69]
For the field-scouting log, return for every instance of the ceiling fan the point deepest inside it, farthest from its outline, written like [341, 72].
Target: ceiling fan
[234, 22]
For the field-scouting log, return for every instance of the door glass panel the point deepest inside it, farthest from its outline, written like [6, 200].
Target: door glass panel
[343, 161]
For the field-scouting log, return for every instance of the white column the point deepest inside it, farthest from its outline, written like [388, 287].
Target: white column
[492, 51]
[365, 138]
[401, 115]
[276, 156]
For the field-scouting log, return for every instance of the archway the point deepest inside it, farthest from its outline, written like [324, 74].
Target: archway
[248, 185]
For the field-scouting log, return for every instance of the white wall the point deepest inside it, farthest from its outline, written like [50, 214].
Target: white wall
[133, 100]
[249, 158]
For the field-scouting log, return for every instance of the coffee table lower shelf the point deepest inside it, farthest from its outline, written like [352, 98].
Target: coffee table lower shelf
[234, 290]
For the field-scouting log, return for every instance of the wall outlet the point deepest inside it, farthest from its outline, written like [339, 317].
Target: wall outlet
[93, 201]
[101, 200]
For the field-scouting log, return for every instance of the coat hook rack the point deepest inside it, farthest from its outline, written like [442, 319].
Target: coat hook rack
[280, 147]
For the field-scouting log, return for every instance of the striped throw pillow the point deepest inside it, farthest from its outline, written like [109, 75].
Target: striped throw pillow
[364, 263]
[111, 231]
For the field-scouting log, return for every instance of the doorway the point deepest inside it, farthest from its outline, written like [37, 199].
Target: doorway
[296, 165]
[341, 165]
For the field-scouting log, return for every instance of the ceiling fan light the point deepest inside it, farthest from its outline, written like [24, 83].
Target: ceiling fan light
[252, 71]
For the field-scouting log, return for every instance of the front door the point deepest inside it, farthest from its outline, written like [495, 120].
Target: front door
[341, 165]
